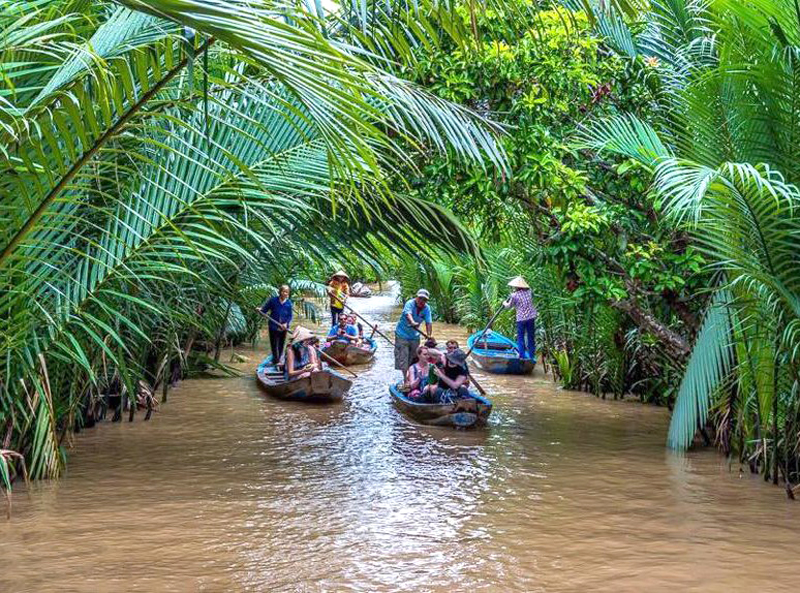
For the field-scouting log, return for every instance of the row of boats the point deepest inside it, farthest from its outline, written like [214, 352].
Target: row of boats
[491, 352]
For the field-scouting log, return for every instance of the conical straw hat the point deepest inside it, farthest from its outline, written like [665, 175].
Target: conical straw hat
[341, 273]
[518, 282]
[301, 334]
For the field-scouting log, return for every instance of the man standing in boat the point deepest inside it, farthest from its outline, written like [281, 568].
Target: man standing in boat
[407, 338]
[278, 310]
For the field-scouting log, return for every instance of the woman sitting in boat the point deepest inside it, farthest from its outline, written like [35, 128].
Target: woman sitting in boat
[450, 381]
[417, 374]
[301, 356]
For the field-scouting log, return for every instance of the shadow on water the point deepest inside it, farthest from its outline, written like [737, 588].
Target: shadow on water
[227, 489]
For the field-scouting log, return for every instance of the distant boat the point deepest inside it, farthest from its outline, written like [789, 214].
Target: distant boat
[345, 353]
[496, 353]
[463, 413]
[322, 386]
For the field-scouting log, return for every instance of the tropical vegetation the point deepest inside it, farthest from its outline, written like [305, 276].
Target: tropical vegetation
[667, 213]
[164, 165]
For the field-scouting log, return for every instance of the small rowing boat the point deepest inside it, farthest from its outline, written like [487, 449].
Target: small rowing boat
[462, 413]
[347, 354]
[322, 386]
[495, 353]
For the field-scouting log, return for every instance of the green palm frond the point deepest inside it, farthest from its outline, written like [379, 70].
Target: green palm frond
[710, 363]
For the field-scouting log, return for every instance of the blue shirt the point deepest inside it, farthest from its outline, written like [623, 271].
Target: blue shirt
[403, 329]
[280, 312]
[350, 330]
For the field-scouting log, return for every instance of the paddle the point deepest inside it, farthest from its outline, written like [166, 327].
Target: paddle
[357, 314]
[334, 361]
[471, 377]
[486, 329]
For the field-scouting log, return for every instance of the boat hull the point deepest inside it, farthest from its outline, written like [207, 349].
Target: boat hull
[501, 357]
[464, 413]
[322, 386]
[348, 354]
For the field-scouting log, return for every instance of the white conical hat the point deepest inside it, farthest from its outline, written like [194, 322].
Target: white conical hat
[518, 282]
[341, 273]
[301, 334]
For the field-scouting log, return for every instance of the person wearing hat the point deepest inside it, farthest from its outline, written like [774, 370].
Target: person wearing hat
[339, 290]
[452, 379]
[522, 300]
[407, 338]
[301, 356]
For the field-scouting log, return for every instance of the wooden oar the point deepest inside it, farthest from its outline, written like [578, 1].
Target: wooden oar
[471, 377]
[334, 361]
[485, 329]
[357, 314]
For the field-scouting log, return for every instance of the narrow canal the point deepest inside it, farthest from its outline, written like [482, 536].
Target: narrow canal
[226, 490]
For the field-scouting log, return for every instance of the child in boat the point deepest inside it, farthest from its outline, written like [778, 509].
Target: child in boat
[417, 374]
[301, 356]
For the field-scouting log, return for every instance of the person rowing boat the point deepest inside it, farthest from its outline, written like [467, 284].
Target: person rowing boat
[407, 337]
[522, 300]
[338, 290]
[278, 311]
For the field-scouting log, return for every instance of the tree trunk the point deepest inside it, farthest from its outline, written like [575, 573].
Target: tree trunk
[674, 342]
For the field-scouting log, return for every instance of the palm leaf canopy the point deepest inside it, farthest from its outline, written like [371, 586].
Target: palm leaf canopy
[160, 157]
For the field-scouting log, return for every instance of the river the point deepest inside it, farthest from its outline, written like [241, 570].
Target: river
[228, 490]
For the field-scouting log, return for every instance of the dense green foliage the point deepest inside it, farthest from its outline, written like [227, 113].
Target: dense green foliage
[157, 182]
[723, 158]
[655, 178]
[614, 280]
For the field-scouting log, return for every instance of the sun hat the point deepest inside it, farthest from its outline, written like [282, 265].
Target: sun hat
[341, 273]
[301, 334]
[518, 282]
[424, 294]
[458, 357]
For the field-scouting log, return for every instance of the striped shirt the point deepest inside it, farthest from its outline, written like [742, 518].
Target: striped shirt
[522, 300]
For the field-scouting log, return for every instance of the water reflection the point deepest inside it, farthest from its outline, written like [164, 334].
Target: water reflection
[229, 490]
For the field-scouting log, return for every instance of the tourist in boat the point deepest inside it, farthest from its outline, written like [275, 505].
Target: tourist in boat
[301, 356]
[449, 382]
[279, 311]
[339, 290]
[417, 375]
[343, 331]
[407, 338]
[522, 300]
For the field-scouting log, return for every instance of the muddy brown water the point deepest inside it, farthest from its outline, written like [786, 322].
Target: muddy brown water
[227, 490]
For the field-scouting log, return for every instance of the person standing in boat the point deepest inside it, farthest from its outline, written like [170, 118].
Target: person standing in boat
[522, 300]
[407, 338]
[279, 311]
[301, 356]
[339, 290]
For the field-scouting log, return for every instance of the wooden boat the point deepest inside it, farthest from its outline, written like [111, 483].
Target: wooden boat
[463, 413]
[324, 386]
[496, 353]
[347, 354]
